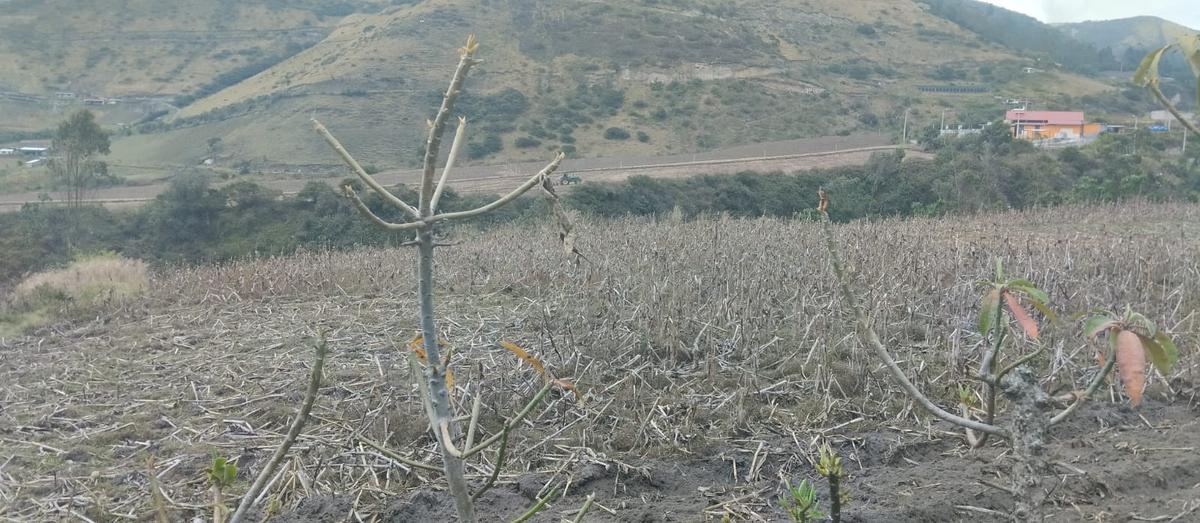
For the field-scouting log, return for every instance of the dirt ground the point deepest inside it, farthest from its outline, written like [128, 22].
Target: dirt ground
[707, 376]
[1113, 464]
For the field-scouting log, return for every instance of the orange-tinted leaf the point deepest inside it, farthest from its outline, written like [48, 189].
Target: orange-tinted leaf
[1131, 362]
[1026, 322]
[525, 356]
[415, 346]
[566, 385]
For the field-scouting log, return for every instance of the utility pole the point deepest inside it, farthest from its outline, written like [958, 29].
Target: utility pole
[904, 133]
[1183, 150]
[943, 127]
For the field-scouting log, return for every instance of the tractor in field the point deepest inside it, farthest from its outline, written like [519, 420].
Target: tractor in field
[567, 179]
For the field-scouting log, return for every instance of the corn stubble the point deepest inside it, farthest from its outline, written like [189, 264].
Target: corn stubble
[694, 335]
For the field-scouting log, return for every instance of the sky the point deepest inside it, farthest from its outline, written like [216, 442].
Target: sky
[1183, 12]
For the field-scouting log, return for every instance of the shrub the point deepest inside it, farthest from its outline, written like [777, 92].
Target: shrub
[89, 281]
[616, 133]
[527, 142]
[643, 137]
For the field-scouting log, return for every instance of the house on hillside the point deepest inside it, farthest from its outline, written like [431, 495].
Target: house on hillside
[1052, 127]
[1165, 117]
[33, 147]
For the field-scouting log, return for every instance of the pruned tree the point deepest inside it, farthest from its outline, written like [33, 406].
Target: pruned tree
[1132, 339]
[77, 143]
[423, 218]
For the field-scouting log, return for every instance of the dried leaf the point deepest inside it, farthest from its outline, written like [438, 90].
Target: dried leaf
[415, 345]
[987, 311]
[1026, 322]
[566, 231]
[1131, 362]
[566, 385]
[526, 357]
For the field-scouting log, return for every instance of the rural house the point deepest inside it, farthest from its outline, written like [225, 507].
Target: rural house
[1057, 126]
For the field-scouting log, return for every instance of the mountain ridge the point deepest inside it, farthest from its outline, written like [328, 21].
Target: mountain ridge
[594, 78]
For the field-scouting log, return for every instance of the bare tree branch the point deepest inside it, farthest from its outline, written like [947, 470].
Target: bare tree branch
[1092, 388]
[525, 187]
[869, 338]
[362, 207]
[438, 126]
[362, 174]
[310, 396]
[454, 147]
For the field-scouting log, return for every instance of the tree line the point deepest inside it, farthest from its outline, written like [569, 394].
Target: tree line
[196, 222]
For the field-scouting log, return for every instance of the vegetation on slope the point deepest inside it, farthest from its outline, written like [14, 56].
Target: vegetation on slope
[681, 75]
[194, 223]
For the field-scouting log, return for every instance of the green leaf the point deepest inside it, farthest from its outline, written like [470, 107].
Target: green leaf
[987, 311]
[1042, 308]
[1027, 288]
[1147, 72]
[1142, 321]
[1170, 352]
[1156, 355]
[1097, 324]
[1190, 46]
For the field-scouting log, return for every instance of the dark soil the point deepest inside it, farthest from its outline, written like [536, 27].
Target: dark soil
[1112, 464]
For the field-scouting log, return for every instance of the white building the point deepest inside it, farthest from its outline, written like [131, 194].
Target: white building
[7, 152]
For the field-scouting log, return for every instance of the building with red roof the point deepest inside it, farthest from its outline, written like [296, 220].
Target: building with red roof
[1064, 126]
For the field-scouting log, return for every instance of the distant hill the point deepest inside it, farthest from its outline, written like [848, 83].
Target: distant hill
[1022, 33]
[1140, 32]
[611, 78]
[1130, 39]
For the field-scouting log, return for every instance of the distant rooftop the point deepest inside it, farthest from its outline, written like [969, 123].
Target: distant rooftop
[1045, 117]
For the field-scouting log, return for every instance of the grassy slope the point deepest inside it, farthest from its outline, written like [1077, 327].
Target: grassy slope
[372, 78]
[773, 49]
[124, 47]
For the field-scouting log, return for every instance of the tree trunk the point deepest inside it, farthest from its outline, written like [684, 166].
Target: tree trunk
[439, 395]
[1030, 424]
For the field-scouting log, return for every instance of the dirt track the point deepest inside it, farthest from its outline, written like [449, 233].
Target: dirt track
[787, 155]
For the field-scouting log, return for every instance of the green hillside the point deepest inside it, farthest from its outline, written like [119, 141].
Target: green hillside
[617, 77]
[1140, 32]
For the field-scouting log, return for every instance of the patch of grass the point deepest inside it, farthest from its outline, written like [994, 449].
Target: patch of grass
[89, 284]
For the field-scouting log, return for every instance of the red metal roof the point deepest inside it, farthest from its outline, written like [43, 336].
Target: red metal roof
[1046, 117]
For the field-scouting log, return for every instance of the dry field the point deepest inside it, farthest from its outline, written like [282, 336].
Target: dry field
[712, 355]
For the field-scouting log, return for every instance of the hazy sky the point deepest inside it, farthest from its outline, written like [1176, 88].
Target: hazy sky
[1185, 12]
